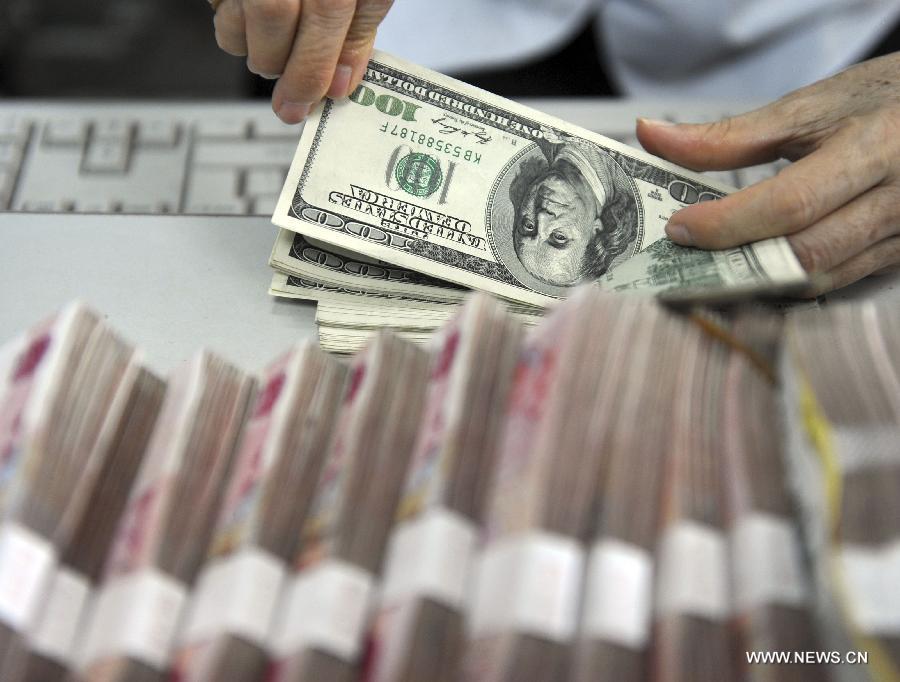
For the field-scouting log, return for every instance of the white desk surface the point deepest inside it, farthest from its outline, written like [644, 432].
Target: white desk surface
[171, 284]
[174, 284]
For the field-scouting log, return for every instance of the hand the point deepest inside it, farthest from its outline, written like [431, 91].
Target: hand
[315, 48]
[838, 204]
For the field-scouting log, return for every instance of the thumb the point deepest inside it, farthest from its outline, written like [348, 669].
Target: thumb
[744, 140]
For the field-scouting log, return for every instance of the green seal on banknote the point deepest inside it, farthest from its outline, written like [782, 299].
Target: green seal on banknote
[419, 174]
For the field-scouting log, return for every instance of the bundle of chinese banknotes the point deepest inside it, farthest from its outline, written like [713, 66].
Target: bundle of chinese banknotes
[621, 491]
[418, 187]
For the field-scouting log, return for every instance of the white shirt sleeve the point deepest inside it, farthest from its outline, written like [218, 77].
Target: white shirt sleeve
[716, 49]
[736, 48]
[461, 35]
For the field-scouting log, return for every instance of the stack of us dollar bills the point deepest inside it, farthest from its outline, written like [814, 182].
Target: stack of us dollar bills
[621, 491]
[418, 187]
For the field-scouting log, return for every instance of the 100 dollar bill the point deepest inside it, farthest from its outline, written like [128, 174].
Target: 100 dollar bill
[430, 174]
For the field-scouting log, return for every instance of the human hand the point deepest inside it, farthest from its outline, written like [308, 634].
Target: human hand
[315, 48]
[838, 204]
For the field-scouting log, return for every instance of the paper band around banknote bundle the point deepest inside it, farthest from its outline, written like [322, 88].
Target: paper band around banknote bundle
[55, 633]
[135, 615]
[325, 607]
[27, 564]
[236, 595]
[619, 594]
[512, 592]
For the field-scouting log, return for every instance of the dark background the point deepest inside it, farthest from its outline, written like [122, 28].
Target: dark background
[123, 48]
[167, 49]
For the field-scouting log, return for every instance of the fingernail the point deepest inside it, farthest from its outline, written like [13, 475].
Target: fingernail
[340, 84]
[679, 234]
[293, 112]
[656, 122]
[252, 69]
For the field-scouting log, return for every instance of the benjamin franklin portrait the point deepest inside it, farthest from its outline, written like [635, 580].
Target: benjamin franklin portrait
[575, 212]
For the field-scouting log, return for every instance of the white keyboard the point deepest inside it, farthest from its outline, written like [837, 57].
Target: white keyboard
[211, 158]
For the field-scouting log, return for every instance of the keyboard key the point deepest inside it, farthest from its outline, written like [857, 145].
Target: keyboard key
[13, 129]
[49, 206]
[261, 181]
[7, 180]
[157, 133]
[65, 132]
[272, 127]
[144, 208]
[244, 154]
[106, 156]
[265, 205]
[206, 185]
[221, 128]
[95, 206]
[112, 129]
[10, 154]
[221, 207]
[214, 191]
